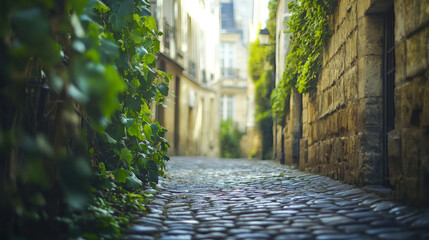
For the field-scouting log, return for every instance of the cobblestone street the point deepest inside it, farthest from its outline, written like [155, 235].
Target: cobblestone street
[204, 198]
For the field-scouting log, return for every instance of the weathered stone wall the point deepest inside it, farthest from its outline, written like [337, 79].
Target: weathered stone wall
[408, 144]
[342, 120]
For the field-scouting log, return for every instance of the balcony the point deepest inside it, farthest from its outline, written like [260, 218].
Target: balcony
[192, 68]
[229, 72]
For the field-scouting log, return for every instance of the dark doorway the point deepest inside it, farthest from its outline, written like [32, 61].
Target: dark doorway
[388, 86]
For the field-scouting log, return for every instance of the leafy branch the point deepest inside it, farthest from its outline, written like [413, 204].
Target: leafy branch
[309, 32]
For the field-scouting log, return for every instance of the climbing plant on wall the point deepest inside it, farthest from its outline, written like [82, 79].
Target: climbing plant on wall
[77, 141]
[261, 67]
[309, 32]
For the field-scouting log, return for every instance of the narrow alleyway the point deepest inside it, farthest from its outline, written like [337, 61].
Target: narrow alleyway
[206, 198]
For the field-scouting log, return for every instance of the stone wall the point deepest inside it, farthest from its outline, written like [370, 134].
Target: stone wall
[342, 120]
[408, 143]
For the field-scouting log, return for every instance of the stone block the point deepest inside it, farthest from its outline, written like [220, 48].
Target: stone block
[305, 129]
[350, 22]
[327, 101]
[374, 112]
[414, 190]
[334, 124]
[370, 32]
[363, 7]
[341, 36]
[337, 151]
[410, 151]
[410, 103]
[305, 100]
[304, 115]
[417, 53]
[352, 117]
[400, 13]
[370, 81]
[345, 8]
[351, 49]
[424, 12]
[338, 65]
[313, 133]
[303, 154]
[414, 14]
[312, 155]
[425, 114]
[400, 61]
[312, 110]
[350, 83]
[288, 151]
[338, 95]
[342, 122]
[395, 156]
[320, 105]
[318, 130]
[353, 152]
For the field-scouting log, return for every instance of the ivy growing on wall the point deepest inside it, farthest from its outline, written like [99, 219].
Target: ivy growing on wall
[77, 141]
[309, 32]
[261, 67]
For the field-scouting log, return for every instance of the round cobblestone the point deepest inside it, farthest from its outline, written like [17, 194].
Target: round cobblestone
[209, 198]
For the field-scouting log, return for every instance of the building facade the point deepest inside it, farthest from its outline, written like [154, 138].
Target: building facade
[367, 121]
[233, 80]
[189, 53]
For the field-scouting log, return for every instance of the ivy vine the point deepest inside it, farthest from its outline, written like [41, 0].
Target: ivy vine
[309, 32]
[78, 144]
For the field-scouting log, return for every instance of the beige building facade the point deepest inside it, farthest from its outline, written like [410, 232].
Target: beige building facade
[233, 82]
[189, 53]
[367, 121]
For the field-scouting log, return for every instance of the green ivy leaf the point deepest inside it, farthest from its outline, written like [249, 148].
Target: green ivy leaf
[141, 51]
[102, 168]
[150, 23]
[144, 11]
[154, 128]
[126, 121]
[133, 183]
[163, 89]
[121, 175]
[147, 130]
[134, 130]
[126, 156]
[149, 58]
[152, 169]
[101, 7]
[109, 138]
[126, 8]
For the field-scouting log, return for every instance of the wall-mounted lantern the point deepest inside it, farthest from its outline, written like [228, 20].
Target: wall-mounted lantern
[264, 35]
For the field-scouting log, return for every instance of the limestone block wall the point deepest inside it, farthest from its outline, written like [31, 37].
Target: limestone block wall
[408, 142]
[342, 120]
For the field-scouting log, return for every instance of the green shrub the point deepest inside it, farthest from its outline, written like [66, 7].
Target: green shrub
[230, 138]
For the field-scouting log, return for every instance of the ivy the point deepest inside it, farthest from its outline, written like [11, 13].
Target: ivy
[77, 140]
[261, 68]
[309, 32]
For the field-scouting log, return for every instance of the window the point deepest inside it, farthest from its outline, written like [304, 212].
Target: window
[228, 56]
[227, 107]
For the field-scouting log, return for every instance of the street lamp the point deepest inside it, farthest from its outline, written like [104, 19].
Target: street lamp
[264, 35]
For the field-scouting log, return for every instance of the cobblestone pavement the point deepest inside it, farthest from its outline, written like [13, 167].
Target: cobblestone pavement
[204, 198]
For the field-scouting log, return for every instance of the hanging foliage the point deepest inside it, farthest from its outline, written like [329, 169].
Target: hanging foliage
[309, 32]
[77, 141]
